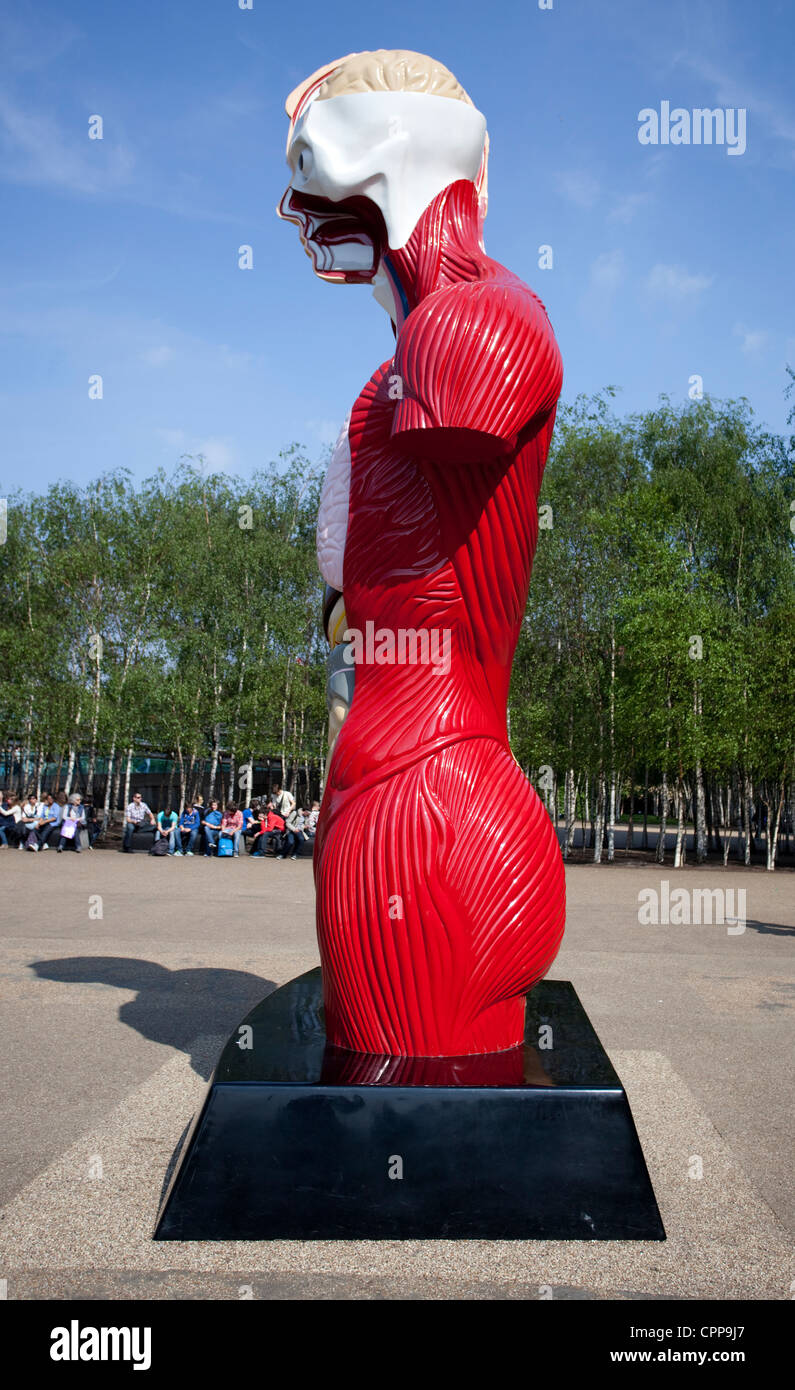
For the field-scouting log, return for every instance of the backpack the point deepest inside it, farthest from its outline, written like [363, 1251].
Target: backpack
[160, 846]
[226, 846]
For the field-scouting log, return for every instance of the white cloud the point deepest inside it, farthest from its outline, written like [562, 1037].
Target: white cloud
[626, 207]
[39, 152]
[36, 149]
[607, 272]
[605, 276]
[776, 114]
[324, 431]
[581, 188]
[157, 356]
[218, 454]
[753, 340]
[676, 284]
[175, 439]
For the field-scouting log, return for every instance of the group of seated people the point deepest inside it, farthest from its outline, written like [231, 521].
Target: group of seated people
[52, 821]
[202, 829]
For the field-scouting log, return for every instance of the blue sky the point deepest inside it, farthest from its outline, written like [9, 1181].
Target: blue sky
[119, 256]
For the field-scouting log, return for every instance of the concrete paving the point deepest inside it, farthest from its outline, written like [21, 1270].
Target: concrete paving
[111, 1024]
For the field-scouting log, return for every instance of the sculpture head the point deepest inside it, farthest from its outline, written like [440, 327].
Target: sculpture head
[373, 139]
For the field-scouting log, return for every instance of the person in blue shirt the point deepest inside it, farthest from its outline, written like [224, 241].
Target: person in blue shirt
[47, 830]
[189, 823]
[167, 827]
[212, 823]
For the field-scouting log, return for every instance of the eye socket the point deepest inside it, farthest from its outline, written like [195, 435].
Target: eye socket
[304, 161]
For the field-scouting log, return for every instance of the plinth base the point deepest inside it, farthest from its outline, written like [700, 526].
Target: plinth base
[300, 1141]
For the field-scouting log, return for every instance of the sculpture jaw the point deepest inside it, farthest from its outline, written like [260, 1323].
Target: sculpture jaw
[345, 240]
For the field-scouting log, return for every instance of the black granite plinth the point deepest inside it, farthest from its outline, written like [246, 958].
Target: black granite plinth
[299, 1140]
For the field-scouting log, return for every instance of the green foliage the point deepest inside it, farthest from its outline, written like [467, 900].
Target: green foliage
[666, 527]
[659, 633]
[166, 613]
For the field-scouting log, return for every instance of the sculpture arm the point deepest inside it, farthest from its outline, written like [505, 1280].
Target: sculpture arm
[475, 366]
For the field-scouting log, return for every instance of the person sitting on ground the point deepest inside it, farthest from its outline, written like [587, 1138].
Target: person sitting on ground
[10, 816]
[232, 824]
[294, 826]
[135, 815]
[212, 828]
[167, 827]
[273, 831]
[73, 822]
[188, 832]
[312, 818]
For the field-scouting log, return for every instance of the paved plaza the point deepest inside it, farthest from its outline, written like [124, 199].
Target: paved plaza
[122, 976]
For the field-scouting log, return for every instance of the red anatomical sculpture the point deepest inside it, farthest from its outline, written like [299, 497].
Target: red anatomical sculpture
[440, 885]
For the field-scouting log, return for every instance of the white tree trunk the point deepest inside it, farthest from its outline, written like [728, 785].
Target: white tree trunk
[570, 812]
[599, 835]
[611, 825]
[213, 766]
[747, 812]
[108, 777]
[181, 762]
[659, 853]
[92, 754]
[127, 776]
[680, 850]
[772, 837]
[70, 768]
[701, 844]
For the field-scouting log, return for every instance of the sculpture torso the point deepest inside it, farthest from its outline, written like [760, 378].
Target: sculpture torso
[442, 546]
[447, 448]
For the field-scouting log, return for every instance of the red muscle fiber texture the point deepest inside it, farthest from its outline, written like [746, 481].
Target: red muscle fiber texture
[440, 884]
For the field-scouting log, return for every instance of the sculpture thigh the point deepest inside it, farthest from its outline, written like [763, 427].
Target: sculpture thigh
[420, 955]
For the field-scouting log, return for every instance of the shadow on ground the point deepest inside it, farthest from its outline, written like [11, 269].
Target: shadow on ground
[172, 1006]
[770, 928]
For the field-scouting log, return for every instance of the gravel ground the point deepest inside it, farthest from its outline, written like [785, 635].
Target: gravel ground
[111, 1025]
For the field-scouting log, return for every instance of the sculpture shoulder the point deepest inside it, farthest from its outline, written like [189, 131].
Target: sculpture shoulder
[477, 356]
[472, 310]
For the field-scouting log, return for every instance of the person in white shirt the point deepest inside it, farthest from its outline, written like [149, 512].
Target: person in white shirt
[10, 817]
[134, 817]
[29, 822]
[283, 802]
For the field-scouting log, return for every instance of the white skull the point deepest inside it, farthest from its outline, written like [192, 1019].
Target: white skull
[366, 165]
